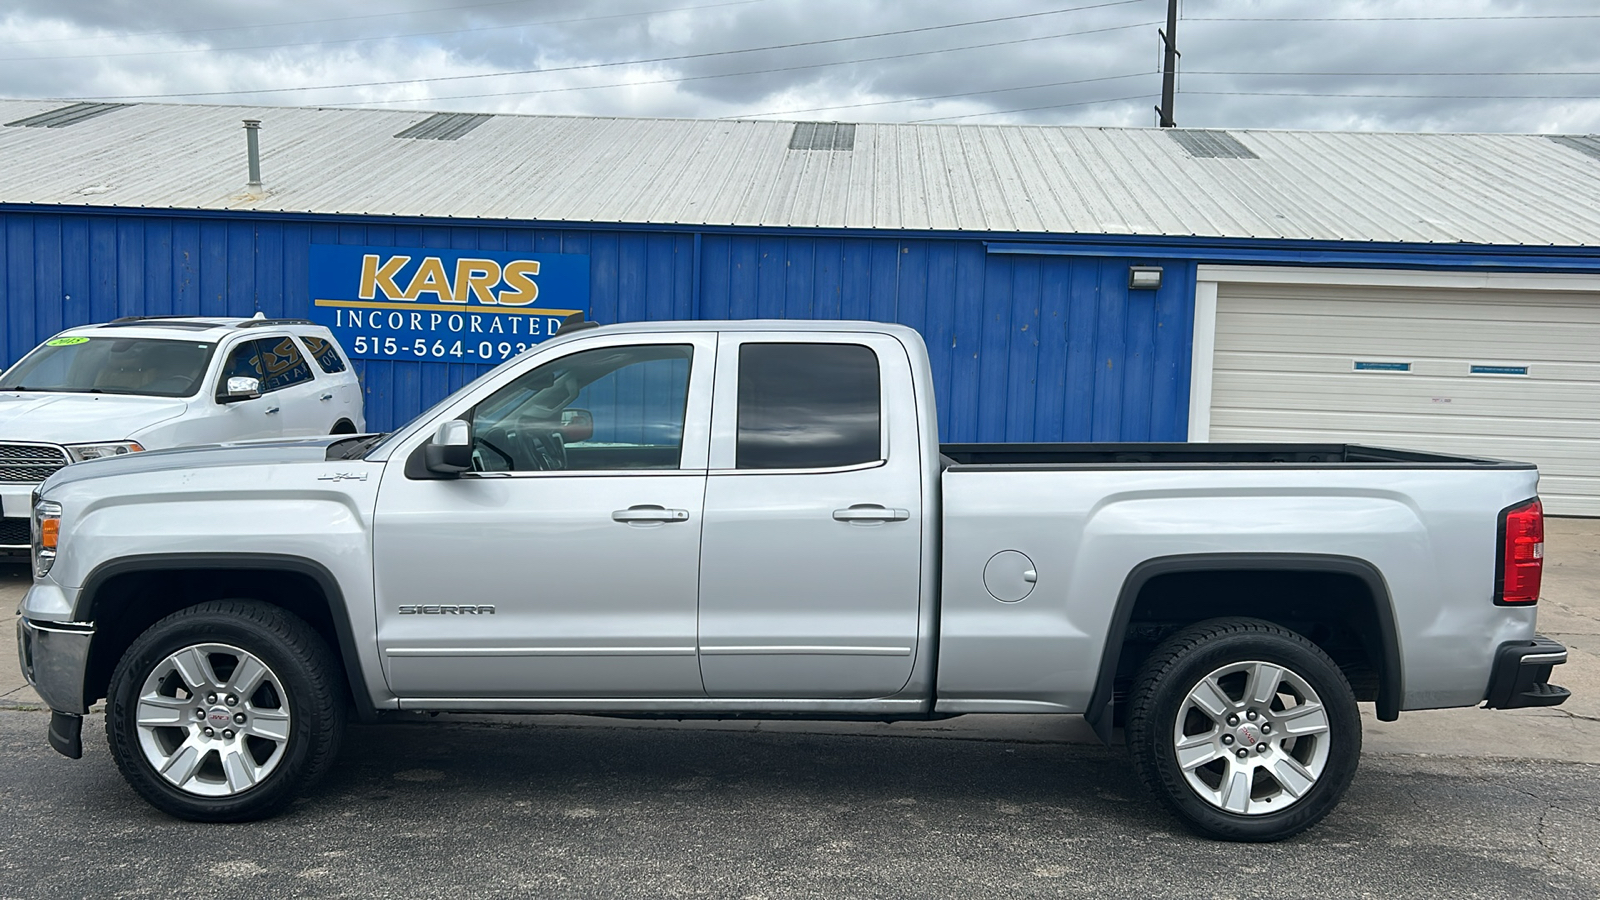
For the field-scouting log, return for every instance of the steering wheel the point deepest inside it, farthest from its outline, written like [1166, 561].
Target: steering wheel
[505, 458]
[553, 449]
[174, 385]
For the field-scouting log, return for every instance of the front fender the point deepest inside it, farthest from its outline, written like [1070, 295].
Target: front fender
[309, 519]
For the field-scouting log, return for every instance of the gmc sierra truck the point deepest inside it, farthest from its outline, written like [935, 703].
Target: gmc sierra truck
[757, 519]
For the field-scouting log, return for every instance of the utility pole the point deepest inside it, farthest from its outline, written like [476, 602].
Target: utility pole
[1169, 65]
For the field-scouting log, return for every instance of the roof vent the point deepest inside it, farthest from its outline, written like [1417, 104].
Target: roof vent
[67, 115]
[1587, 144]
[444, 126]
[1210, 144]
[823, 136]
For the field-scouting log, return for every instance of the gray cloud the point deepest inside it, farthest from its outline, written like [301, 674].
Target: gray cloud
[1240, 67]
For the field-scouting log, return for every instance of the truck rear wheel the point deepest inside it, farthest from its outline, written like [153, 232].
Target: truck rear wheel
[224, 711]
[1243, 729]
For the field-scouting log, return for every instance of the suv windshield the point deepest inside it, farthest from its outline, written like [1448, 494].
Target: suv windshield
[112, 365]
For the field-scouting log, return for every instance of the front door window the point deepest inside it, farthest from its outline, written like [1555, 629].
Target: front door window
[606, 409]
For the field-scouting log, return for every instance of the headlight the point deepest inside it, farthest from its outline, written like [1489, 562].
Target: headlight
[46, 534]
[81, 452]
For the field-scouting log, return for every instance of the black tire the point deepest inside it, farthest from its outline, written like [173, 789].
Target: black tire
[312, 699]
[1161, 693]
[343, 426]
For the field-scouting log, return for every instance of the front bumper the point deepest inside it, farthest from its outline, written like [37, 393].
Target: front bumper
[55, 659]
[1521, 675]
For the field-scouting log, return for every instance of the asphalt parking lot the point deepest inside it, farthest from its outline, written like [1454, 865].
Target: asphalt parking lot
[1456, 803]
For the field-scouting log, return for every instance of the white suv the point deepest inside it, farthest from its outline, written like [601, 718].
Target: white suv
[153, 382]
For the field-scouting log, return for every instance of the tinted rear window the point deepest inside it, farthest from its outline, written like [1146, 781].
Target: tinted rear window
[808, 406]
[323, 352]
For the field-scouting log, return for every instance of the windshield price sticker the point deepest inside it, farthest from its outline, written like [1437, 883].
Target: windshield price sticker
[66, 341]
[464, 306]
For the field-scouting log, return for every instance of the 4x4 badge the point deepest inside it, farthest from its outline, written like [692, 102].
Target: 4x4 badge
[344, 476]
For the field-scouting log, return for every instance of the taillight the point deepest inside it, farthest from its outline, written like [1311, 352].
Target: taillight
[1521, 561]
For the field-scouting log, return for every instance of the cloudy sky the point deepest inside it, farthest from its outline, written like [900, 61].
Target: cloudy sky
[1408, 65]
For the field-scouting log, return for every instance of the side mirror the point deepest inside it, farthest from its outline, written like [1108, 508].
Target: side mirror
[241, 387]
[450, 452]
[577, 425]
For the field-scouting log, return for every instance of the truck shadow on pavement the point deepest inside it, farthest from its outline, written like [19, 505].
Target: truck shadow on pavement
[534, 808]
[583, 771]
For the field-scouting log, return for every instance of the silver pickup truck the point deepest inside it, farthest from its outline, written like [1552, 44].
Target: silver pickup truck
[757, 519]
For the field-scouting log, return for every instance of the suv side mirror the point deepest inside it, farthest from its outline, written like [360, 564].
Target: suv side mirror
[450, 452]
[577, 425]
[240, 387]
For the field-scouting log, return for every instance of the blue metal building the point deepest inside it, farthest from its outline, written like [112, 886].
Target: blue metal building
[1024, 347]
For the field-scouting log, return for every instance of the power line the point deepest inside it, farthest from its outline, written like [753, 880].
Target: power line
[1026, 87]
[409, 12]
[386, 37]
[1001, 112]
[630, 62]
[681, 79]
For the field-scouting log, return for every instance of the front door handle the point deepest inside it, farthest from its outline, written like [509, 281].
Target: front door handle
[272, 410]
[871, 512]
[648, 514]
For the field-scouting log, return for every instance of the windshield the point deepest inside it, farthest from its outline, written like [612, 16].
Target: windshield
[112, 365]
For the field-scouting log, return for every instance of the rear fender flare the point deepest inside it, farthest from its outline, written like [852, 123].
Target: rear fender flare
[1390, 679]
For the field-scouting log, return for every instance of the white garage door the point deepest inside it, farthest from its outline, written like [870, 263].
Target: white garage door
[1504, 374]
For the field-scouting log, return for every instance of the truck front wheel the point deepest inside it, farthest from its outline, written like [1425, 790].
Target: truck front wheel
[222, 712]
[1243, 729]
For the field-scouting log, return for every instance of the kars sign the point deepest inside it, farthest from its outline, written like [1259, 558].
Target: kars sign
[443, 305]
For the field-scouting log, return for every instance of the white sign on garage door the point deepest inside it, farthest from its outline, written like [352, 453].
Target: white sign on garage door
[1498, 366]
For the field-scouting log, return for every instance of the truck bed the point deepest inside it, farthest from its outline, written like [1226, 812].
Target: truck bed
[1183, 456]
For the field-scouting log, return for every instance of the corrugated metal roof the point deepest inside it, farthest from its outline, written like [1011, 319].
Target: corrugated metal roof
[1420, 188]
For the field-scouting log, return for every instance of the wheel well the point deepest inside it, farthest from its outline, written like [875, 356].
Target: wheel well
[343, 426]
[127, 604]
[1341, 605]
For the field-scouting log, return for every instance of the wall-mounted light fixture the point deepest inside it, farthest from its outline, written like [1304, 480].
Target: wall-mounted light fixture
[1144, 278]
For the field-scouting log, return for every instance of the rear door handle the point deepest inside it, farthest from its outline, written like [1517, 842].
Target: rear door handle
[272, 410]
[647, 514]
[326, 397]
[871, 512]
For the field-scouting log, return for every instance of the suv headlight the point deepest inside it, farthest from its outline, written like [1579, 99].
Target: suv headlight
[46, 534]
[81, 452]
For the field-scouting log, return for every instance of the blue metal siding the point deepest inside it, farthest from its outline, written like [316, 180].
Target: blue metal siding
[1025, 347]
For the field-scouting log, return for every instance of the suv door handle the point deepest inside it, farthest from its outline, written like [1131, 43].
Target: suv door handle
[647, 514]
[272, 410]
[326, 397]
[871, 512]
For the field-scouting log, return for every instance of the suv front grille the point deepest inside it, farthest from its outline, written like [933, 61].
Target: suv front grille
[30, 463]
[16, 533]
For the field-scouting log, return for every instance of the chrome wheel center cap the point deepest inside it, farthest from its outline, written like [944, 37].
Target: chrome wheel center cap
[218, 718]
[1248, 735]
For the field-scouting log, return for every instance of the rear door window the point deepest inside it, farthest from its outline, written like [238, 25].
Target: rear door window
[808, 406]
[326, 355]
[276, 361]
